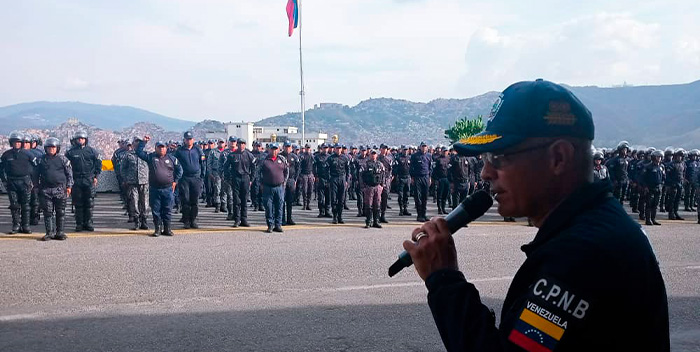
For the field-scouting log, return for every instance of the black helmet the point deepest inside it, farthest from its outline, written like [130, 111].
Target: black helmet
[658, 153]
[668, 151]
[679, 152]
[15, 136]
[598, 156]
[623, 144]
[232, 139]
[53, 142]
[80, 134]
[694, 152]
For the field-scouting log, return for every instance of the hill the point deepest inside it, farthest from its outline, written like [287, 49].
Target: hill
[42, 115]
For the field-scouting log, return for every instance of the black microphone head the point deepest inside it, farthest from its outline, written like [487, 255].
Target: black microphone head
[471, 208]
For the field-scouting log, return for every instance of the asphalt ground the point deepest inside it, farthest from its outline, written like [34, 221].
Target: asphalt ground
[316, 287]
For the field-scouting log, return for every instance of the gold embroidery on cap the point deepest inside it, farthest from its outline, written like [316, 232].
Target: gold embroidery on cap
[485, 139]
[560, 114]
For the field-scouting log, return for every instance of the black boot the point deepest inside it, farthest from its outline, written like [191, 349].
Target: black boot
[156, 228]
[320, 213]
[368, 218]
[167, 229]
[25, 220]
[50, 229]
[136, 224]
[217, 208]
[88, 219]
[15, 221]
[375, 223]
[382, 219]
[340, 215]
[405, 210]
[678, 217]
[60, 221]
[335, 218]
[185, 218]
[144, 224]
[193, 217]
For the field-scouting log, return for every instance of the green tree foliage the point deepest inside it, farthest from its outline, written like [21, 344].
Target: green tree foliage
[464, 128]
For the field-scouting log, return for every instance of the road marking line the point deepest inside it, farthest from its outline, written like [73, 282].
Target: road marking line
[404, 284]
[19, 317]
[696, 267]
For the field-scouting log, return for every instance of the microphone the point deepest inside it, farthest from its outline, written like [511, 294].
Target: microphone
[472, 208]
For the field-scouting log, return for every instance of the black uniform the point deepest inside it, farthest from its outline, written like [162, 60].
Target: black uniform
[402, 173]
[460, 170]
[290, 187]
[55, 177]
[87, 166]
[256, 187]
[16, 166]
[441, 172]
[652, 178]
[388, 161]
[306, 177]
[619, 176]
[339, 169]
[190, 186]
[323, 187]
[34, 208]
[240, 165]
[421, 167]
[358, 164]
[692, 169]
[589, 262]
[675, 173]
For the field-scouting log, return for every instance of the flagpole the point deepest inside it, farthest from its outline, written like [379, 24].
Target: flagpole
[301, 73]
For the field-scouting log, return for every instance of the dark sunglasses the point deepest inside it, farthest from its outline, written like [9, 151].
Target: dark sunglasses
[496, 160]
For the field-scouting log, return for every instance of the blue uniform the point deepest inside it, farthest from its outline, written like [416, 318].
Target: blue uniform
[421, 167]
[163, 172]
[190, 186]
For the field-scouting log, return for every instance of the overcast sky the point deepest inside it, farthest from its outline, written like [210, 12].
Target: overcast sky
[232, 60]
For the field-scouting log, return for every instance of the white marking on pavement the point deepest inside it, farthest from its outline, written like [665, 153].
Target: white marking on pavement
[696, 267]
[19, 317]
[405, 284]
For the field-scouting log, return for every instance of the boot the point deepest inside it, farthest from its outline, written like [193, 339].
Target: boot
[193, 218]
[678, 217]
[335, 218]
[217, 208]
[382, 219]
[50, 230]
[671, 215]
[222, 208]
[185, 219]
[60, 221]
[230, 213]
[653, 217]
[88, 220]
[15, 221]
[439, 206]
[136, 224]
[368, 218]
[24, 221]
[320, 213]
[244, 223]
[143, 224]
[375, 224]
[405, 210]
[340, 216]
[290, 222]
[167, 229]
[156, 226]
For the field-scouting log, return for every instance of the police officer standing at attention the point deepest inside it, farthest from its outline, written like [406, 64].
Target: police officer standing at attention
[164, 171]
[274, 173]
[600, 171]
[421, 168]
[371, 175]
[55, 182]
[588, 265]
[34, 202]
[190, 186]
[255, 189]
[323, 179]
[213, 155]
[87, 166]
[227, 178]
[402, 172]
[652, 177]
[358, 164]
[134, 172]
[692, 169]
[460, 176]
[618, 171]
[675, 173]
[306, 177]
[240, 165]
[116, 165]
[440, 174]
[388, 160]
[339, 168]
[291, 184]
[16, 166]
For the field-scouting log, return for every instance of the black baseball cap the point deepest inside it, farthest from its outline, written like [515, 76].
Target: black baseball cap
[530, 109]
[188, 135]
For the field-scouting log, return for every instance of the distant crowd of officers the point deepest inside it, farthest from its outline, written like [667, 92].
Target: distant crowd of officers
[652, 179]
[274, 178]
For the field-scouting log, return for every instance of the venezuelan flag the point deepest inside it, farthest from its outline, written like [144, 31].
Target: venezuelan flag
[534, 333]
[292, 15]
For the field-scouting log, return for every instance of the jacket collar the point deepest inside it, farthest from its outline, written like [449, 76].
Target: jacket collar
[583, 198]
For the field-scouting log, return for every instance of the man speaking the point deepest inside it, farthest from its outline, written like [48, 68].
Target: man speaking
[590, 282]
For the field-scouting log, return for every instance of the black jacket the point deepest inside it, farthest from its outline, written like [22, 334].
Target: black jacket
[590, 282]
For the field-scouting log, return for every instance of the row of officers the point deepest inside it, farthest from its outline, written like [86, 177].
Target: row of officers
[652, 179]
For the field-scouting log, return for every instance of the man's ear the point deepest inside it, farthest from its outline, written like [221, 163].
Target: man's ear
[561, 156]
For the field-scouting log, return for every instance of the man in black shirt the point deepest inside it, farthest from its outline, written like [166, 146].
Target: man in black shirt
[16, 167]
[55, 183]
[87, 166]
[590, 282]
[240, 164]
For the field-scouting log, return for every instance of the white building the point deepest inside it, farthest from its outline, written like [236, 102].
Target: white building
[264, 134]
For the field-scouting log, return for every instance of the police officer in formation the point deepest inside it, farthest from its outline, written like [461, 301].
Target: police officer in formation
[190, 158]
[356, 166]
[675, 173]
[55, 185]
[256, 186]
[214, 175]
[87, 166]
[421, 168]
[164, 172]
[387, 160]
[692, 172]
[600, 171]
[274, 172]
[16, 167]
[306, 176]
[652, 180]
[116, 165]
[618, 171]
[441, 175]
[323, 179]
[226, 185]
[291, 184]
[134, 174]
[402, 174]
[34, 209]
[372, 175]
[459, 175]
[239, 166]
[338, 169]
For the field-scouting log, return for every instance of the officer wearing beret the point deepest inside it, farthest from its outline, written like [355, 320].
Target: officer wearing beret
[190, 158]
[590, 280]
[164, 172]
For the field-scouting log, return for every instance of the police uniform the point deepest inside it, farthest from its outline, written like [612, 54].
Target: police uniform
[358, 164]
[55, 178]
[402, 173]
[134, 173]
[371, 175]
[116, 165]
[590, 280]
[87, 166]
[653, 180]
[675, 173]
[306, 177]
[214, 177]
[692, 169]
[290, 185]
[256, 186]
[323, 187]
[190, 185]
[421, 168]
[240, 165]
[16, 166]
[162, 173]
[227, 178]
[274, 173]
[34, 208]
[441, 173]
[388, 160]
[459, 178]
[339, 168]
